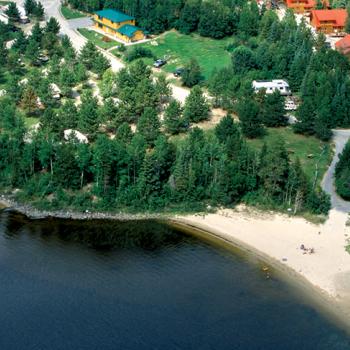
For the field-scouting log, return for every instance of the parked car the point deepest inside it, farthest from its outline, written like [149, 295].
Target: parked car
[178, 72]
[43, 58]
[159, 63]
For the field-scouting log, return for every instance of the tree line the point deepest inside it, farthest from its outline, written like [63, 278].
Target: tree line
[211, 18]
[342, 173]
[143, 168]
[148, 171]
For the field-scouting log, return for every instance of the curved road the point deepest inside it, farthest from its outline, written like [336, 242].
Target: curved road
[340, 139]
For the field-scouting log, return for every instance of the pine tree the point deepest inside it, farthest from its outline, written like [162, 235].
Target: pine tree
[273, 110]
[274, 170]
[88, 115]
[3, 54]
[191, 75]
[12, 12]
[305, 117]
[21, 42]
[29, 100]
[189, 17]
[39, 11]
[248, 112]
[196, 106]
[102, 160]
[68, 115]
[297, 187]
[322, 126]
[342, 173]
[124, 133]
[173, 121]
[149, 125]
[37, 34]
[100, 64]
[66, 80]
[243, 59]
[226, 129]
[87, 55]
[29, 6]
[249, 20]
[162, 89]
[49, 121]
[52, 26]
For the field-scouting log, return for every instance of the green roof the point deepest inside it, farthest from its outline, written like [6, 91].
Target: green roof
[114, 16]
[128, 30]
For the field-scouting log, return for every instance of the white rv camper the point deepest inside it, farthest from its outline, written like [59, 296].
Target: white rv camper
[271, 86]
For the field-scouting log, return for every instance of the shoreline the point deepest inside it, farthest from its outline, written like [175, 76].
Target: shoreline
[323, 277]
[272, 238]
[7, 202]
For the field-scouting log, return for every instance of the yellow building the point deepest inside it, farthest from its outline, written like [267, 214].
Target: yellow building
[119, 25]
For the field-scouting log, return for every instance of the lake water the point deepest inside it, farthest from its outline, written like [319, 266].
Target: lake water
[143, 285]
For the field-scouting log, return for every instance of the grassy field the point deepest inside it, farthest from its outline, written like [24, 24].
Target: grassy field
[179, 49]
[97, 38]
[69, 13]
[309, 150]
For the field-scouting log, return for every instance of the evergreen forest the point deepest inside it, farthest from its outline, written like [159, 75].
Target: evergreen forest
[143, 149]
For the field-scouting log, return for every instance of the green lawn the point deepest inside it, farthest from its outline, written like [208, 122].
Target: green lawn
[309, 150]
[97, 38]
[69, 13]
[3, 2]
[179, 49]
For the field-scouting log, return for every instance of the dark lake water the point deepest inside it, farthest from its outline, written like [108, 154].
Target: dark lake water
[143, 285]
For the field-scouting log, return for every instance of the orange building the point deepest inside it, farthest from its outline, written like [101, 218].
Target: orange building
[301, 6]
[328, 21]
[343, 45]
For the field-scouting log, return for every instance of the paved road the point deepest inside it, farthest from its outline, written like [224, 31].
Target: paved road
[80, 23]
[340, 139]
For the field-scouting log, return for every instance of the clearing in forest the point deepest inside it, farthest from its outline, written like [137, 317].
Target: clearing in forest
[179, 49]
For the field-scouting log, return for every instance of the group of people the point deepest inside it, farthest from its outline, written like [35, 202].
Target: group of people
[307, 250]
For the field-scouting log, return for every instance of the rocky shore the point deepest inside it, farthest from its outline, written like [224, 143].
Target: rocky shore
[9, 202]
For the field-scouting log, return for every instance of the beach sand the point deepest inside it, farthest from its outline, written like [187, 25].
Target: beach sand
[278, 238]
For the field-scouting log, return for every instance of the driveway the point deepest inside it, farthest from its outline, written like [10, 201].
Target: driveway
[83, 22]
[340, 139]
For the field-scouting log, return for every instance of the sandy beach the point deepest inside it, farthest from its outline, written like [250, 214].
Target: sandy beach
[279, 238]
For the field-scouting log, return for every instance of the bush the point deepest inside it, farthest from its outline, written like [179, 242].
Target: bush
[121, 48]
[342, 173]
[318, 202]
